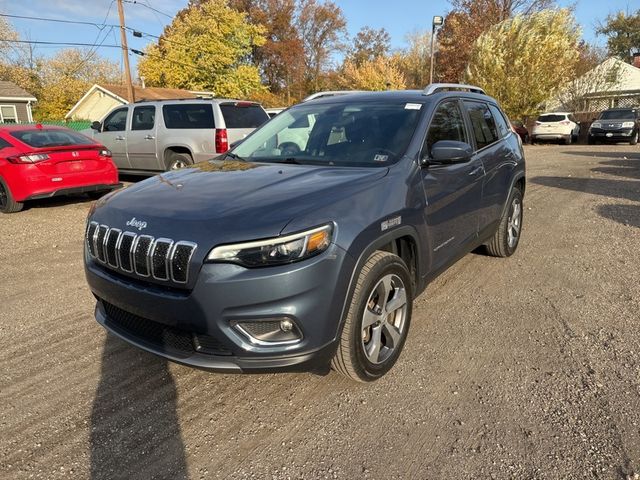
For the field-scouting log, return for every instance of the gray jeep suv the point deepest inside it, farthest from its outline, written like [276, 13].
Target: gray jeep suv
[286, 257]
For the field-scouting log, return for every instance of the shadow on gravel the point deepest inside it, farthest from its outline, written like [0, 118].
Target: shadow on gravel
[596, 153]
[620, 168]
[134, 425]
[628, 215]
[627, 189]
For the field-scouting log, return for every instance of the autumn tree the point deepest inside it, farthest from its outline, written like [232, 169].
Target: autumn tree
[66, 77]
[380, 73]
[466, 21]
[322, 28]
[414, 61]
[368, 45]
[623, 34]
[281, 58]
[18, 62]
[524, 60]
[207, 46]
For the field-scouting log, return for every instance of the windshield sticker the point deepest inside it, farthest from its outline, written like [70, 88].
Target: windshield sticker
[380, 158]
[392, 222]
[413, 106]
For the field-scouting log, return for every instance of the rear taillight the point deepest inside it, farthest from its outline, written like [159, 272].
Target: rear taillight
[538, 123]
[32, 158]
[222, 141]
[105, 152]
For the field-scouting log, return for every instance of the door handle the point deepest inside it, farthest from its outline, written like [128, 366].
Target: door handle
[119, 138]
[476, 171]
[149, 137]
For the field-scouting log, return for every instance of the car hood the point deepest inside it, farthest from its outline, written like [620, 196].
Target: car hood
[228, 201]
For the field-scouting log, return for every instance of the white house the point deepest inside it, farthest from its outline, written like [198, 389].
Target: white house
[101, 99]
[613, 83]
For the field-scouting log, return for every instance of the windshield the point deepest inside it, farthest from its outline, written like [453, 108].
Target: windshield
[338, 134]
[617, 115]
[51, 138]
[552, 118]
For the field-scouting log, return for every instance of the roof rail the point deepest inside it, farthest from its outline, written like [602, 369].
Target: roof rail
[437, 87]
[331, 93]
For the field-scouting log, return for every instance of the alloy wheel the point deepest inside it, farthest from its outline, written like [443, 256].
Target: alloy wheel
[383, 321]
[514, 222]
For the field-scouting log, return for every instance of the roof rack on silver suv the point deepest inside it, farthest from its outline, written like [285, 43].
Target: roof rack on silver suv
[438, 87]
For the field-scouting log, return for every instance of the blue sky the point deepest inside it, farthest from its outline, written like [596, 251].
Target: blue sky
[399, 17]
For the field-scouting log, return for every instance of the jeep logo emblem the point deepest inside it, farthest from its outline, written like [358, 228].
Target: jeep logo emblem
[139, 224]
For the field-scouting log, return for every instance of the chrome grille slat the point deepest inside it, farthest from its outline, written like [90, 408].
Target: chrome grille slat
[111, 242]
[160, 258]
[143, 255]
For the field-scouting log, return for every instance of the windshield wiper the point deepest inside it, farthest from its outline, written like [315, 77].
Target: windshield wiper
[233, 156]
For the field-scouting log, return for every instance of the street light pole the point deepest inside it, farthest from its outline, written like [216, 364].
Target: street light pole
[437, 22]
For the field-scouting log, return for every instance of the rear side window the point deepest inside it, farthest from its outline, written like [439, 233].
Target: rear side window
[188, 115]
[483, 123]
[51, 138]
[143, 118]
[551, 118]
[447, 124]
[501, 123]
[243, 116]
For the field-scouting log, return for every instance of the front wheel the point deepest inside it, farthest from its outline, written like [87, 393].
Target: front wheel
[506, 239]
[634, 138]
[378, 319]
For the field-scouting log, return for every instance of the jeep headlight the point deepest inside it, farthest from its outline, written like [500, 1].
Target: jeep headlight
[627, 124]
[275, 251]
[596, 125]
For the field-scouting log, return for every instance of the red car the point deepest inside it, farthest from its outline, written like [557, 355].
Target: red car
[45, 161]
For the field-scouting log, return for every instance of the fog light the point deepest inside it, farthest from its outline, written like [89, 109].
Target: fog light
[270, 331]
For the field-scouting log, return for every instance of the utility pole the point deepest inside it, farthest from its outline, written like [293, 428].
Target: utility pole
[437, 22]
[125, 53]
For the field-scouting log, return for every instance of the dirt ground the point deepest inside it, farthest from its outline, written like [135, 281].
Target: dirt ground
[527, 367]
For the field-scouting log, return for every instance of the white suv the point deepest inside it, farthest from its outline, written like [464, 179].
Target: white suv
[556, 126]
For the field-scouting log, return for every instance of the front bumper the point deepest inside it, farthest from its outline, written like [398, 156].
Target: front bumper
[618, 135]
[175, 323]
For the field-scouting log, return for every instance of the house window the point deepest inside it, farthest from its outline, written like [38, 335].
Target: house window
[8, 114]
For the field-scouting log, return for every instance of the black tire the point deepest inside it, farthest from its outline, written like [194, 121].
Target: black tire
[353, 358]
[502, 245]
[176, 160]
[7, 203]
[568, 140]
[591, 140]
[634, 138]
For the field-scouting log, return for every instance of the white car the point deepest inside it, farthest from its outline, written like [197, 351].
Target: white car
[559, 126]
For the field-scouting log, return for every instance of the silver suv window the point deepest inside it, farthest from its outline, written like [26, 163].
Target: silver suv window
[243, 115]
[143, 118]
[116, 121]
[188, 115]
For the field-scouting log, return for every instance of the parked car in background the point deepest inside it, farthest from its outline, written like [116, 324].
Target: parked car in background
[559, 126]
[272, 112]
[266, 260]
[44, 161]
[616, 125]
[521, 130]
[156, 136]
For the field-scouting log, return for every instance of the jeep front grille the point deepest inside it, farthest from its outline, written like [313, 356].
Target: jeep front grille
[159, 258]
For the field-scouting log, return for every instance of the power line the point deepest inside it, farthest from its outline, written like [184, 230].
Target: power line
[149, 7]
[73, 44]
[152, 55]
[57, 20]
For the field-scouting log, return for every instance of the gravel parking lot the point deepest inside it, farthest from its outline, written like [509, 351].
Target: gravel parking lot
[527, 367]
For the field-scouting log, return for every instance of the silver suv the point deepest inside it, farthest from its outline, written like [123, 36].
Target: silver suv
[147, 137]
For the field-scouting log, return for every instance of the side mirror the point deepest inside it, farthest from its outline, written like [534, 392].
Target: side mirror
[446, 152]
[96, 126]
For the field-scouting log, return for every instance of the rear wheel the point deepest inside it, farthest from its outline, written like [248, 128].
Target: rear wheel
[176, 161]
[378, 319]
[506, 239]
[568, 140]
[7, 203]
